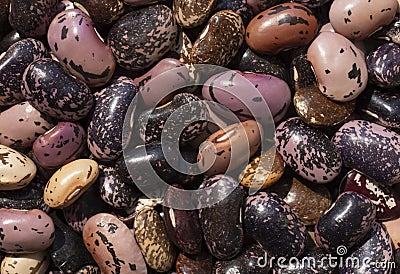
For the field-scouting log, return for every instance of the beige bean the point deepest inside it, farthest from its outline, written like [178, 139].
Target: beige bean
[69, 182]
[29, 263]
[16, 169]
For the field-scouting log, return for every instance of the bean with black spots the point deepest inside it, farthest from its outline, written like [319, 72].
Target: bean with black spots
[282, 27]
[371, 149]
[28, 124]
[113, 245]
[151, 236]
[141, 37]
[60, 145]
[93, 61]
[308, 151]
[54, 92]
[32, 18]
[25, 231]
[12, 67]
[274, 225]
[105, 128]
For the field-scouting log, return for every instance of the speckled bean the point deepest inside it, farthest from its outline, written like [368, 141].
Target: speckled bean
[192, 13]
[371, 149]
[151, 122]
[32, 18]
[94, 62]
[335, 57]
[28, 124]
[54, 92]
[308, 151]
[16, 169]
[113, 245]
[220, 39]
[151, 236]
[222, 222]
[273, 224]
[106, 124]
[60, 145]
[13, 65]
[25, 231]
[133, 39]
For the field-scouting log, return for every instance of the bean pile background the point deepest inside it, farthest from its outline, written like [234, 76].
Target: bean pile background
[328, 71]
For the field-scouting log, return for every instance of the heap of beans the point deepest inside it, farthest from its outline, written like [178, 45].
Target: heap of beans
[328, 70]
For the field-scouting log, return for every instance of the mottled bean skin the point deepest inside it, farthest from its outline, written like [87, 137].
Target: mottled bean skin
[358, 19]
[220, 39]
[308, 151]
[25, 231]
[151, 236]
[222, 223]
[103, 11]
[113, 245]
[114, 191]
[137, 48]
[377, 248]
[281, 27]
[50, 89]
[346, 222]
[192, 13]
[286, 234]
[32, 18]
[238, 6]
[16, 169]
[265, 64]
[105, 128]
[151, 122]
[371, 149]
[28, 124]
[383, 65]
[59, 146]
[93, 62]
[13, 65]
